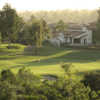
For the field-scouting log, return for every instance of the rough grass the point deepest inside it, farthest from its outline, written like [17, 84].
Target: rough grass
[49, 60]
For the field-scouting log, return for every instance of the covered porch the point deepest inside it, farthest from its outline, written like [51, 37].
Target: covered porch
[77, 41]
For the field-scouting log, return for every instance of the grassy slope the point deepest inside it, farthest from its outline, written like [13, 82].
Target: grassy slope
[50, 60]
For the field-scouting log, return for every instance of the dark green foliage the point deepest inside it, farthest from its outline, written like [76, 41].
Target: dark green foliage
[14, 30]
[61, 26]
[8, 76]
[25, 97]
[97, 30]
[39, 30]
[34, 33]
[93, 80]
[13, 47]
[68, 69]
[26, 86]
[10, 23]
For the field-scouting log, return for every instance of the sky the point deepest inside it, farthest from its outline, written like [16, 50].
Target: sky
[30, 5]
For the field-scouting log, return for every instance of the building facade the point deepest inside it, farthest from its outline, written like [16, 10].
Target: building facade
[76, 35]
[79, 36]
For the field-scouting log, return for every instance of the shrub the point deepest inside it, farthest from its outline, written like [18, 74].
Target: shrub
[93, 80]
[26, 86]
[8, 76]
[69, 69]
[25, 97]
[13, 47]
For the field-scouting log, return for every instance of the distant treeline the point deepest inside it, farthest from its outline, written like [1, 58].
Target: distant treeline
[76, 16]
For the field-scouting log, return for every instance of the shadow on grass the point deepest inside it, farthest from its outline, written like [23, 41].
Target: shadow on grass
[76, 56]
[10, 56]
[57, 56]
[87, 72]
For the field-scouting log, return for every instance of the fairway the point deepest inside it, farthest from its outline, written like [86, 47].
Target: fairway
[50, 59]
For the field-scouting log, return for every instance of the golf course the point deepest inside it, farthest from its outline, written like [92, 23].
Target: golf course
[49, 59]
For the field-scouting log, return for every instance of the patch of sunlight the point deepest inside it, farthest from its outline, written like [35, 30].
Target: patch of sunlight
[86, 67]
[60, 54]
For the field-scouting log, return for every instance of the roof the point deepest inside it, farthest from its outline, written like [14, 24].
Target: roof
[73, 30]
[73, 33]
[75, 26]
[92, 25]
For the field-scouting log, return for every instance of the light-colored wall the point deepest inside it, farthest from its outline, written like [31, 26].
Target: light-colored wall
[86, 35]
[57, 41]
[88, 38]
[60, 39]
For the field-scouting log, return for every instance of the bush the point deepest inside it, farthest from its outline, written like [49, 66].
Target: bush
[13, 47]
[69, 69]
[26, 86]
[8, 76]
[93, 80]
[25, 97]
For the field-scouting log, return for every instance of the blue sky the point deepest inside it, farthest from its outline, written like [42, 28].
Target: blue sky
[51, 4]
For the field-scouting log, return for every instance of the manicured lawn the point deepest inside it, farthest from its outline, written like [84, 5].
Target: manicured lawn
[49, 60]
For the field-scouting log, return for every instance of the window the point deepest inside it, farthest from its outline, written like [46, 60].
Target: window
[85, 41]
[77, 41]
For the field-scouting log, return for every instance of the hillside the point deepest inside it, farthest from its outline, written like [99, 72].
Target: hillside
[76, 16]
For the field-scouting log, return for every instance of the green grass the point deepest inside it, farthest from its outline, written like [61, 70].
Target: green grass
[84, 60]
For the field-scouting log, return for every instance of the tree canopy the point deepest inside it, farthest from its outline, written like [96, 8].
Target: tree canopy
[10, 23]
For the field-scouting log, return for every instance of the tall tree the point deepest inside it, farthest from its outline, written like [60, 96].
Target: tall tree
[60, 26]
[35, 33]
[10, 23]
[39, 34]
[97, 33]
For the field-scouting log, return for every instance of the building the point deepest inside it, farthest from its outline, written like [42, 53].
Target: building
[78, 35]
[57, 39]
[75, 35]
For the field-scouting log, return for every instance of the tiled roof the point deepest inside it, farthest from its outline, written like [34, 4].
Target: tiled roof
[72, 30]
[73, 33]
